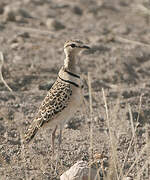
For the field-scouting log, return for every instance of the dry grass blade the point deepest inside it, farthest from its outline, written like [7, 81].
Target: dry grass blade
[131, 120]
[140, 105]
[1, 76]
[90, 94]
[91, 119]
[114, 155]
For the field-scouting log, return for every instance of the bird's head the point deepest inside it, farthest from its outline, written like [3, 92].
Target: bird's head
[74, 47]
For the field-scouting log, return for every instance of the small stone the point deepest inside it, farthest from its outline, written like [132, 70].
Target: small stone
[127, 178]
[14, 45]
[24, 13]
[1, 118]
[9, 15]
[77, 10]
[21, 19]
[88, 121]
[54, 24]
[96, 119]
[16, 105]
[24, 35]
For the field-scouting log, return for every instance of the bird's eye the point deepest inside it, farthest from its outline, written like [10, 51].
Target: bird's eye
[73, 45]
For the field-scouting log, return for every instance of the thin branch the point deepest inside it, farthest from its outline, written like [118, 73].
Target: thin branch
[124, 40]
[1, 76]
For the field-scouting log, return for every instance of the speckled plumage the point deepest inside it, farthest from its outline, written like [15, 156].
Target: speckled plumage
[63, 99]
[56, 100]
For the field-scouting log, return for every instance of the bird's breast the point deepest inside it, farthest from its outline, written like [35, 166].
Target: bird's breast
[72, 106]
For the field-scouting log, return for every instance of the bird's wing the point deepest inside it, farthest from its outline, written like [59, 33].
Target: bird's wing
[55, 101]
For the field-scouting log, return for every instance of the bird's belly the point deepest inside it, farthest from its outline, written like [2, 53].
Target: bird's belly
[68, 112]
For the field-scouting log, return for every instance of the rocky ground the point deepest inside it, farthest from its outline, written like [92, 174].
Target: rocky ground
[32, 34]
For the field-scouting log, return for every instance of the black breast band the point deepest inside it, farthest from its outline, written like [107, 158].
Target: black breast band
[70, 82]
[72, 74]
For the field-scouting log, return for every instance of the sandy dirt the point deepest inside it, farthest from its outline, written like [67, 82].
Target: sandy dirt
[32, 34]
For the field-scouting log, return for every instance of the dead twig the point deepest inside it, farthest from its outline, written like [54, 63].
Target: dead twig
[1, 76]
[124, 40]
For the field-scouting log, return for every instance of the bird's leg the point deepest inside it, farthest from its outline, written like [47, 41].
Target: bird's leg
[53, 138]
[60, 137]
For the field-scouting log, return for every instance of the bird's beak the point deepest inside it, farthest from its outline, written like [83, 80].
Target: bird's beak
[85, 47]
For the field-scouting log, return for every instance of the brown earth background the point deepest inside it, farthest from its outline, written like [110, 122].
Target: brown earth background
[32, 34]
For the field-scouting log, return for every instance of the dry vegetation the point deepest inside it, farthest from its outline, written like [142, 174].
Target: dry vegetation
[112, 132]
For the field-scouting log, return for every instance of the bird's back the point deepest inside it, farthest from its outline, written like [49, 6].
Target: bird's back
[54, 103]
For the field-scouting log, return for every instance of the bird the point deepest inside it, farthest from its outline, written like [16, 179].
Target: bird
[64, 97]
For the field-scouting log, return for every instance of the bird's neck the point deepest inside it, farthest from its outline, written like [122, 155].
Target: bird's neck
[70, 63]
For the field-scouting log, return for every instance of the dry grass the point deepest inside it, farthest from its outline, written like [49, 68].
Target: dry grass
[117, 171]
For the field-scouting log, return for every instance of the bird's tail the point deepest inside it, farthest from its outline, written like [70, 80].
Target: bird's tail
[31, 132]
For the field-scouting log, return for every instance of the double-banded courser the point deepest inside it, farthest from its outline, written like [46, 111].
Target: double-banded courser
[64, 97]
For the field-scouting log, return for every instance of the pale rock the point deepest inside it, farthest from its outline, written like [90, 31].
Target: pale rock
[79, 171]
[15, 12]
[54, 24]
